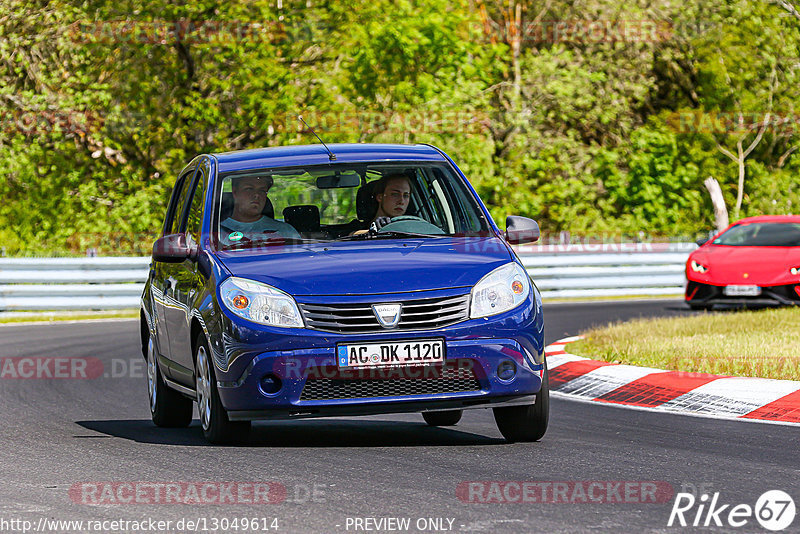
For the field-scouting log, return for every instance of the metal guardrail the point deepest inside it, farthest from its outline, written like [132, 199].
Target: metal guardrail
[110, 283]
[565, 271]
[560, 271]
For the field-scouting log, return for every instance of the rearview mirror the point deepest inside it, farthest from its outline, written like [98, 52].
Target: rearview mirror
[521, 230]
[340, 179]
[173, 248]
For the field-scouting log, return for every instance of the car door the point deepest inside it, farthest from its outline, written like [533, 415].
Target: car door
[162, 273]
[187, 280]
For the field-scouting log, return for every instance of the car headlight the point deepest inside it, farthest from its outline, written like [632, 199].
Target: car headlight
[699, 267]
[260, 303]
[795, 270]
[503, 289]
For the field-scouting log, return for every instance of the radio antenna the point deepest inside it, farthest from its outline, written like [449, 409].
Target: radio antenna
[331, 155]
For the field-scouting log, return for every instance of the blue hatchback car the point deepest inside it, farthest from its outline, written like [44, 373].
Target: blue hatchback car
[355, 279]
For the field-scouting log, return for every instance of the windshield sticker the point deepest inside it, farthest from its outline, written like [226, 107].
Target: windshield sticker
[235, 236]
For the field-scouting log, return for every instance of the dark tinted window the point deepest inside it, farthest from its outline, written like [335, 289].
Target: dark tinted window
[173, 201]
[194, 222]
[177, 212]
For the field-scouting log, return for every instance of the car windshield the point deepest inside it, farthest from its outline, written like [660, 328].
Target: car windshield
[761, 235]
[341, 202]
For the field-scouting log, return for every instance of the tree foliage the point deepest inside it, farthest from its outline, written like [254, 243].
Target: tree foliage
[588, 116]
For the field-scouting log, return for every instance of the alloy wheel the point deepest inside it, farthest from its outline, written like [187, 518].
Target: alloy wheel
[203, 388]
[152, 374]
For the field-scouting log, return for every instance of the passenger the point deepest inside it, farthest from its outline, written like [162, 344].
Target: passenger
[247, 222]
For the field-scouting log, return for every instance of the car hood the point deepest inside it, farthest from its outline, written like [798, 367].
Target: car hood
[370, 267]
[762, 265]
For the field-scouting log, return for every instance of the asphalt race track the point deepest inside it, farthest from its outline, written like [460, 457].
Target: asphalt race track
[63, 434]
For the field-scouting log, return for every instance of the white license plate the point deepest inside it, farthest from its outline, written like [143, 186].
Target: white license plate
[742, 291]
[390, 354]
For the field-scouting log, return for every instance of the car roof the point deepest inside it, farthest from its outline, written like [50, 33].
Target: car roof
[769, 218]
[291, 155]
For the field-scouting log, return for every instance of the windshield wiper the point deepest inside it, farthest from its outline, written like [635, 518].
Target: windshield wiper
[354, 237]
[383, 235]
[395, 233]
[271, 242]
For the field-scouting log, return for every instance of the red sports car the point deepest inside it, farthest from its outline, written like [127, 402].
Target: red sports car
[755, 261]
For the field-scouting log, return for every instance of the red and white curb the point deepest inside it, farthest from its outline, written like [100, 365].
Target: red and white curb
[760, 399]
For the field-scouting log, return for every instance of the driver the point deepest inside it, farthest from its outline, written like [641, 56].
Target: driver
[392, 192]
[247, 221]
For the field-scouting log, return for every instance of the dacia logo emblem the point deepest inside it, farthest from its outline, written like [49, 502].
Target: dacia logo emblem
[388, 315]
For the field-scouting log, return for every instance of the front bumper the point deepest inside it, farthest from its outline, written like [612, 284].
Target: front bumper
[378, 407]
[313, 386]
[304, 364]
[701, 294]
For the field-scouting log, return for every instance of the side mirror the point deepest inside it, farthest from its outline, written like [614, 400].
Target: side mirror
[702, 241]
[520, 230]
[173, 248]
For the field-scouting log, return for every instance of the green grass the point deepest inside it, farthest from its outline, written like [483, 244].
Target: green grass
[38, 317]
[763, 343]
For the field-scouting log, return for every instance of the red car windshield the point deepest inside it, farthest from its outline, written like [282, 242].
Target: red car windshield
[761, 235]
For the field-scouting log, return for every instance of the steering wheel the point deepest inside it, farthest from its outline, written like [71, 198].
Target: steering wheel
[407, 218]
[412, 218]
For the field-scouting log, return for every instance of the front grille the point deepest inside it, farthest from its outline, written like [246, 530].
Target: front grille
[786, 294]
[417, 314]
[447, 380]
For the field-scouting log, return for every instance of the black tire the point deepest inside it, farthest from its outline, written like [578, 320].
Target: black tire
[526, 423]
[217, 428]
[168, 408]
[448, 418]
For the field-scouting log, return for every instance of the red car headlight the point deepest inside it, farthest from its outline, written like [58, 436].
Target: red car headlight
[698, 267]
[795, 270]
